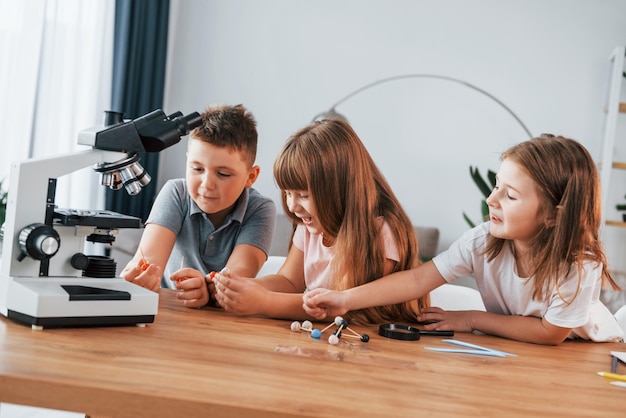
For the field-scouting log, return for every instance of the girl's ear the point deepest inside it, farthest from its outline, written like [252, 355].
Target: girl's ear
[253, 174]
[550, 221]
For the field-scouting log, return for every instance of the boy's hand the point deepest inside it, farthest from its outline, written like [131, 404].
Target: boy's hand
[239, 295]
[143, 274]
[193, 290]
[323, 303]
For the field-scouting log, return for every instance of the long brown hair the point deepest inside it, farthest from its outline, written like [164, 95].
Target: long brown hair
[349, 192]
[568, 184]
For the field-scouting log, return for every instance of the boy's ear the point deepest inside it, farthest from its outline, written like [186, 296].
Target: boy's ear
[253, 174]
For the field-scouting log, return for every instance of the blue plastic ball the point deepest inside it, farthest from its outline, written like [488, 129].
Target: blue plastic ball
[316, 333]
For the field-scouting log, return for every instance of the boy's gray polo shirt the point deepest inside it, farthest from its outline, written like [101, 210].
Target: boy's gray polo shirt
[203, 247]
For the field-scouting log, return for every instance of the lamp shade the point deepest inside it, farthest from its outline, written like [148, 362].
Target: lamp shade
[330, 114]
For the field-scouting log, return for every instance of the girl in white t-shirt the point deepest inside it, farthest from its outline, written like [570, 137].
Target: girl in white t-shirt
[538, 262]
[350, 229]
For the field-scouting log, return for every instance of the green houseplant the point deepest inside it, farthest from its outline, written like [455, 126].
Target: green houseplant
[622, 208]
[485, 187]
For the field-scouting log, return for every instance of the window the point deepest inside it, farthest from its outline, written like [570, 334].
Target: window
[55, 78]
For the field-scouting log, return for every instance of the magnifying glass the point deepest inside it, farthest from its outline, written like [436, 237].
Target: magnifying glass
[408, 333]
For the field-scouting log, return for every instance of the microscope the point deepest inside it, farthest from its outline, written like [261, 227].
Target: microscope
[46, 279]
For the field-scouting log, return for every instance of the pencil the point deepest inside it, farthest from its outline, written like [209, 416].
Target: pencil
[182, 262]
[620, 384]
[621, 377]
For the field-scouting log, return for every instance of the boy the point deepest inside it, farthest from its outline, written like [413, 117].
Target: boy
[210, 219]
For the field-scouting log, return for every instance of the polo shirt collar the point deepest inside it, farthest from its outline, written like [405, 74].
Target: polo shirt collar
[238, 212]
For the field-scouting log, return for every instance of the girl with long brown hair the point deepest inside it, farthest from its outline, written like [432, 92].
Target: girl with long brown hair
[538, 262]
[349, 229]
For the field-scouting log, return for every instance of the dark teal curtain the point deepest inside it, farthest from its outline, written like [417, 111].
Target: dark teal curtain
[139, 55]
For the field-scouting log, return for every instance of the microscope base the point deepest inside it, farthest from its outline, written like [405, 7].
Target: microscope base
[77, 322]
[77, 302]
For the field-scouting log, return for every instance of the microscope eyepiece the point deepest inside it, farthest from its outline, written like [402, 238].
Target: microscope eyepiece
[112, 117]
[158, 134]
[189, 122]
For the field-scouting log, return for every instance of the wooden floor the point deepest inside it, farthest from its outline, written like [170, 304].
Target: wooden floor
[8, 410]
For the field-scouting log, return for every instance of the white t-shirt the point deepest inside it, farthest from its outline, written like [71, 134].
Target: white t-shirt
[504, 292]
[317, 256]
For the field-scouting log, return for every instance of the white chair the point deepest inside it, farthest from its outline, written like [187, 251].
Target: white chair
[620, 315]
[452, 297]
[271, 266]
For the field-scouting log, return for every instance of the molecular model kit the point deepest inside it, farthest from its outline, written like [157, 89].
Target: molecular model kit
[342, 325]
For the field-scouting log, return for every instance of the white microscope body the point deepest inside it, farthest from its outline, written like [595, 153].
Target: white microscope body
[46, 280]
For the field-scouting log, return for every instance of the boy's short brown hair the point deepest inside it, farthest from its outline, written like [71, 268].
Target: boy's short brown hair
[231, 127]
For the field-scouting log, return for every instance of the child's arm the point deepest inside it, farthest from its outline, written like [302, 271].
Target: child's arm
[197, 290]
[395, 288]
[290, 276]
[246, 260]
[147, 266]
[516, 327]
[244, 296]
[278, 295]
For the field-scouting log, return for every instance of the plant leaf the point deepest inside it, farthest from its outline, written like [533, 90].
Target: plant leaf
[482, 185]
[485, 210]
[491, 175]
[468, 220]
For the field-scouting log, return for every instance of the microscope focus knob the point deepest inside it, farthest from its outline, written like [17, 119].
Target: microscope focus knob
[79, 261]
[38, 241]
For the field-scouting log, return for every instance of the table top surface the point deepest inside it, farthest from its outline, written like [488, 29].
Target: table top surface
[196, 362]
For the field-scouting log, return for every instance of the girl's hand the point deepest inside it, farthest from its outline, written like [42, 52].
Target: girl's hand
[143, 274]
[438, 319]
[323, 303]
[192, 287]
[239, 295]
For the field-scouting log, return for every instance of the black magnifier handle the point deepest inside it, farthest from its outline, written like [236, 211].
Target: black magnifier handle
[437, 333]
[408, 333]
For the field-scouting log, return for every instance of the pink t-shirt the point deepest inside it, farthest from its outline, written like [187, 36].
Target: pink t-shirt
[317, 256]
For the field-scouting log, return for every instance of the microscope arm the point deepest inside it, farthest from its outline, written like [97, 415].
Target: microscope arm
[44, 281]
[28, 199]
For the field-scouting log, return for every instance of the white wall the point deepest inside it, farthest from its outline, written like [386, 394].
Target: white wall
[289, 60]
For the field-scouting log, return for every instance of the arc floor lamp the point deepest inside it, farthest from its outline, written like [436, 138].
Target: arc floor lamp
[333, 114]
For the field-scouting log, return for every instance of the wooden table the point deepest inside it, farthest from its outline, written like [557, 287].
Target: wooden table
[193, 363]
